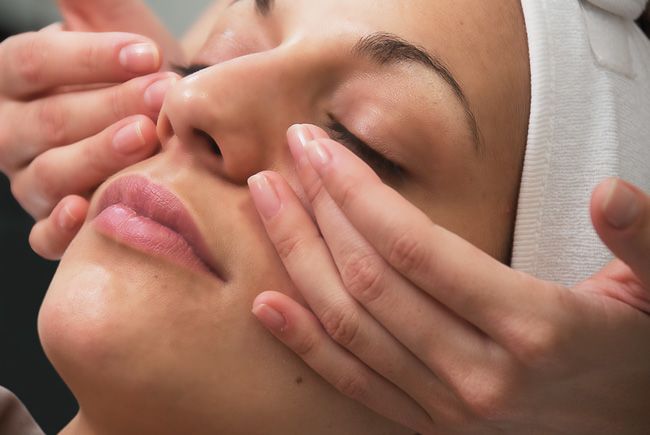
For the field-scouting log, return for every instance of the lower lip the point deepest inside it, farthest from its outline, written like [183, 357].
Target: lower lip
[123, 224]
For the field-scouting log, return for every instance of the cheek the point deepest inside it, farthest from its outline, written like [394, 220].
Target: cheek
[116, 321]
[114, 312]
[471, 205]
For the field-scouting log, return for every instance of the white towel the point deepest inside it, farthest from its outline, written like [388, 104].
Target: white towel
[590, 119]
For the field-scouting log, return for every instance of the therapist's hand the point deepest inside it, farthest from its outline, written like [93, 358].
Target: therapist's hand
[76, 107]
[427, 330]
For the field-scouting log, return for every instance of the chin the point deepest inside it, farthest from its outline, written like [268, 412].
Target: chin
[146, 345]
[131, 334]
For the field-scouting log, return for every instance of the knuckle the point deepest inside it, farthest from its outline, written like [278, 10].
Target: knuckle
[90, 58]
[315, 190]
[17, 190]
[538, 345]
[352, 384]
[30, 54]
[455, 418]
[52, 120]
[305, 345]
[27, 196]
[97, 163]
[45, 182]
[118, 102]
[362, 276]
[349, 195]
[450, 416]
[341, 322]
[407, 253]
[289, 246]
[488, 398]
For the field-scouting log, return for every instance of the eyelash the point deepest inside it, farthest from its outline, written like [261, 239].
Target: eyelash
[379, 163]
[186, 70]
[263, 6]
[382, 165]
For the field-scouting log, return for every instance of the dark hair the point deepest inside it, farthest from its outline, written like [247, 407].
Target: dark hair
[644, 22]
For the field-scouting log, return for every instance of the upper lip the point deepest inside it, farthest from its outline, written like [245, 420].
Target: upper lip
[158, 204]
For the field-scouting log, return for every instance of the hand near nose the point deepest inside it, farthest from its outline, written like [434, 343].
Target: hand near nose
[429, 331]
[77, 107]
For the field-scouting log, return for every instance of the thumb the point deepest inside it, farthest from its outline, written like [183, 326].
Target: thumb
[621, 215]
[131, 16]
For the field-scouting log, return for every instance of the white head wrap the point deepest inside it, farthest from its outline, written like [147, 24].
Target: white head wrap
[590, 119]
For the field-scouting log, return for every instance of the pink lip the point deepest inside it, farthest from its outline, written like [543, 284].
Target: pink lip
[151, 219]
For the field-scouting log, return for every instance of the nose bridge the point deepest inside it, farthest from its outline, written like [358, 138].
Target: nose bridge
[245, 105]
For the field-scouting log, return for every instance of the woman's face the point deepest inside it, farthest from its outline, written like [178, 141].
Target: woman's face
[152, 331]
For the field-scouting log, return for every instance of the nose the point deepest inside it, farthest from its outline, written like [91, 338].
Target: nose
[240, 109]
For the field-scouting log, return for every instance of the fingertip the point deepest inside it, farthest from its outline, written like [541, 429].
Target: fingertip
[70, 213]
[280, 302]
[616, 205]
[270, 317]
[265, 298]
[148, 133]
[51, 236]
[317, 132]
[54, 27]
[154, 95]
[140, 57]
[135, 137]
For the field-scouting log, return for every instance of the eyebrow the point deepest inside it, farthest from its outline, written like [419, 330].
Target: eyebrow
[387, 48]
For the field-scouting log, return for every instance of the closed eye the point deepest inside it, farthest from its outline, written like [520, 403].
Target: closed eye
[383, 166]
[185, 71]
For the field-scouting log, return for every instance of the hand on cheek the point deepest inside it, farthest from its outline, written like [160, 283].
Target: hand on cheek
[427, 330]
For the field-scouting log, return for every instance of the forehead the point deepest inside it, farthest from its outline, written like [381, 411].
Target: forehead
[482, 42]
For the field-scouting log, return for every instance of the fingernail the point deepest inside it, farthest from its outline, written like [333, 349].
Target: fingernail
[318, 155]
[270, 318]
[129, 139]
[66, 219]
[299, 138]
[155, 93]
[140, 58]
[622, 207]
[265, 196]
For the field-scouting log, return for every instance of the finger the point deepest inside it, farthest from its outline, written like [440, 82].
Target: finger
[51, 236]
[621, 215]
[54, 27]
[472, 284]
[47, 179]
[299, 330]
[120, 15]
[300, 247]
[67, 118]
[36, 62]
[444, 342]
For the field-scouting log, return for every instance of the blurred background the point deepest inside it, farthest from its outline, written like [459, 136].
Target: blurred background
[24, 276]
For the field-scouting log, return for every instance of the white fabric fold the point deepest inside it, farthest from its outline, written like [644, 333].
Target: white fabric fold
[630, 9]
[590, 119]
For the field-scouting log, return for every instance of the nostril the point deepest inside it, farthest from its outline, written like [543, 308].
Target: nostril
[214, 146]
